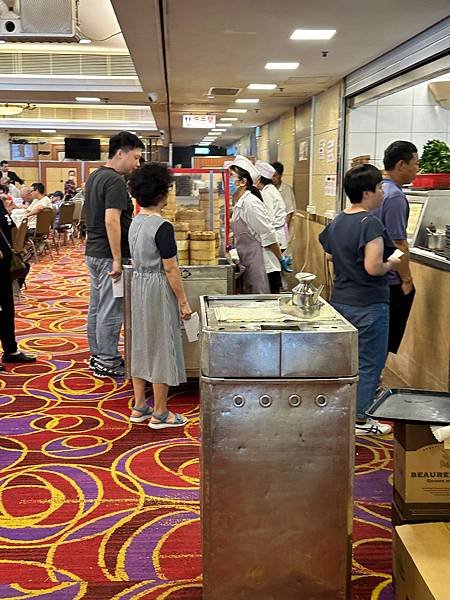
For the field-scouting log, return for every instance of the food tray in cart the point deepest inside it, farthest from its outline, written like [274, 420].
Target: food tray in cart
[412, 406]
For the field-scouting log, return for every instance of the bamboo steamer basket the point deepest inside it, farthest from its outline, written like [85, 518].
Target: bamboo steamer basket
[202, 252]
[169, 215]
[206, 247]
[197, 225]
[181, 235]
[193, 216]
[207, 262]
[190, 214]
[181, 226]
[202, 236]
[183, 246]
[217, 244]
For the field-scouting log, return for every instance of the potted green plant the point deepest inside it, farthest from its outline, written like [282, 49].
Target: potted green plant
[434, 166]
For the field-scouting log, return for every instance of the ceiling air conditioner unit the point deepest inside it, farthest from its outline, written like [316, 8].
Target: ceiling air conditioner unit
[38, 21]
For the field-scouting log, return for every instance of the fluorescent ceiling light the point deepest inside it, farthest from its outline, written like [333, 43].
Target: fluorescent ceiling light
[87, 99]
[48, 130]
[85, 41]
[225, 124]
[216, 130]
[313, 34]
[229, 119]
[282, 65]
[262, 86]
[247, 101]
[221, 130]
[236, 110]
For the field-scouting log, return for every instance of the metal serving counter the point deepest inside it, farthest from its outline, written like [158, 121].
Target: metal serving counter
[197, 280]
[277, 415]
[426, 207]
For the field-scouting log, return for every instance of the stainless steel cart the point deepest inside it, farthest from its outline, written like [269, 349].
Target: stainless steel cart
[197, 280]
[277, 414]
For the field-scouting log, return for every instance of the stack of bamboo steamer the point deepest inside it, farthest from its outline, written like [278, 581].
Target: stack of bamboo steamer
[217, 244]
[182, 237]
[204, 203]
[168, 212]
[193, 216]
[202, 248]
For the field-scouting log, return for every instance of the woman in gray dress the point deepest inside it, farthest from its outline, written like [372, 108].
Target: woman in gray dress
[158, 300]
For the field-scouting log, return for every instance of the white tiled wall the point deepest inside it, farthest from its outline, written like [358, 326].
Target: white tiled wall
[411, 114]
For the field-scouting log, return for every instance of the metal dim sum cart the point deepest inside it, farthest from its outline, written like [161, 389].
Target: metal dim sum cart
[197, 280]
[277, 420]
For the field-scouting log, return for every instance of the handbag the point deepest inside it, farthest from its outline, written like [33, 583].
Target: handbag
[18, 267]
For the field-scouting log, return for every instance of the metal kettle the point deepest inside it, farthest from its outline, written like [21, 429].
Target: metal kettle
[305, 295]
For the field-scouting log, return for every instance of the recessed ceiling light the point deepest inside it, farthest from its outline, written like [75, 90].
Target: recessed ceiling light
[262, 86]
[216, 130]
[225, 124]
[48, 130]
[87, 99]
[85, 41]
[313, 34]
[228, 119]
[236, 110]
[282, 65]
[247, 101]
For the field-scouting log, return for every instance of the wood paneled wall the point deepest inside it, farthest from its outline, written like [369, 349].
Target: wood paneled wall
[326, 131]
[424, 355]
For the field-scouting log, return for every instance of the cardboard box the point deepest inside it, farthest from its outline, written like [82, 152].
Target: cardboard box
[421, 473]
[422, 561]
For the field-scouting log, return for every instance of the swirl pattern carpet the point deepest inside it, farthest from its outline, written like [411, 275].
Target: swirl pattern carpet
[92, 507]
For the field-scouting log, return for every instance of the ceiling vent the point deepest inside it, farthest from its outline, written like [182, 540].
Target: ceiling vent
[84, 65]
[222, 91]
[38, 21]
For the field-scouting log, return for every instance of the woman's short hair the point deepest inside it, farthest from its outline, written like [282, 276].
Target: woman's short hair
[150, 183]
[360, 179]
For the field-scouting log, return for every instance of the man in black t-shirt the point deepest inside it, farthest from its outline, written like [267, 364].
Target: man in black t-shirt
[109, 211]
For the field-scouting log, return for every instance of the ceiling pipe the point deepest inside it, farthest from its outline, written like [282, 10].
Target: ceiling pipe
[162, 12]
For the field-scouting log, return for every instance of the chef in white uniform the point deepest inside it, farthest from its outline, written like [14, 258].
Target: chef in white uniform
[277, 214]
[273, 200]
[255, 238]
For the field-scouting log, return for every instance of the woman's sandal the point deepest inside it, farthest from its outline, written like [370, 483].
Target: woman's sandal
[179, 421]
[146, 413]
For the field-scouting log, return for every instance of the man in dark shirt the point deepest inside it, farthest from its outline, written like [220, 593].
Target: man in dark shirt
[109, 212]
[401, 163]
[13, 177]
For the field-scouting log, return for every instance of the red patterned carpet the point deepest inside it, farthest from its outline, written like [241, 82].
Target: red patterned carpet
[93, 508]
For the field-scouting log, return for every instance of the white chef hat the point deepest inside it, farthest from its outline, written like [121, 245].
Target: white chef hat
[265, 169]
[244, 163]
